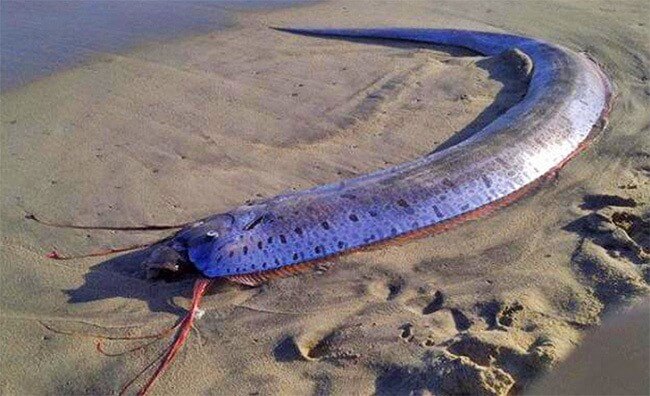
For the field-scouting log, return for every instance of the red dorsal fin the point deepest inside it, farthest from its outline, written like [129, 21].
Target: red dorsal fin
[257, 278]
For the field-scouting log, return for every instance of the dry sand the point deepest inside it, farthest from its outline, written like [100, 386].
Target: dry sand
[173, 132]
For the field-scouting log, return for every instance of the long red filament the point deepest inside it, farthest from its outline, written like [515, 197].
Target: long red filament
[58, 256]
[158, 335]
[146, 227]
[200, 287]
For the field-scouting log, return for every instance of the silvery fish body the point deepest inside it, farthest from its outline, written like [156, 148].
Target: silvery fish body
[568, 96]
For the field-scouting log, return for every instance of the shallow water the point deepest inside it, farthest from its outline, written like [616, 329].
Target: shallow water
[38, 38]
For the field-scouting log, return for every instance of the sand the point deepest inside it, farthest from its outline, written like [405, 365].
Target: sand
[172, 132]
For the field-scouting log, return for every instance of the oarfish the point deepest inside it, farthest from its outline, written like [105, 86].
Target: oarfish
[567, 101]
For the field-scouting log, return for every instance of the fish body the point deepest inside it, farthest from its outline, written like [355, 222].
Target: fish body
[567, 99]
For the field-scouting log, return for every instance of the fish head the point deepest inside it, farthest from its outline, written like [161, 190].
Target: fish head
[164, 262]
[173, 256]
[207, 245]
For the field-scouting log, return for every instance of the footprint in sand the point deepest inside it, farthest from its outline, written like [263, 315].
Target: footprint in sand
[461, 320]
[330, 346]
[435, 304]
[406, 332]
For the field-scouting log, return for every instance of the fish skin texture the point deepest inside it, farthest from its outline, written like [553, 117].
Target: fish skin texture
[567, 100]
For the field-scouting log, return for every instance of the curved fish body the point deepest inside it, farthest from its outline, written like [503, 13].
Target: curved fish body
[567, 99]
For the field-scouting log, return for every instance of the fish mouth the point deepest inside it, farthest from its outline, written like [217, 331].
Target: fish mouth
[168, 264]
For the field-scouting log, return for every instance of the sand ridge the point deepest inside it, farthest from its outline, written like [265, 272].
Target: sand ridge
[173, 132]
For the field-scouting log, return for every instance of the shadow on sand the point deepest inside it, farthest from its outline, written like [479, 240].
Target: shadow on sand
[124, 276]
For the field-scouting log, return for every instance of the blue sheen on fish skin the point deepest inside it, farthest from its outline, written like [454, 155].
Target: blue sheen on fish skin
[568, 95]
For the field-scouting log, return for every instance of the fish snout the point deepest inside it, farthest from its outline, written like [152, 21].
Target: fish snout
[165, 262]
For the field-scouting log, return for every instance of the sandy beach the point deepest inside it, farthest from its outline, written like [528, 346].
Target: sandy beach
[171, 132]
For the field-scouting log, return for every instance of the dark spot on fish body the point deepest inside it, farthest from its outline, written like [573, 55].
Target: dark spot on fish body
[298, 231]
[402, 203]
[295, 256]
[464, 207]
[260, 245]
[341, 244]
[354, 217]
[325, 225]
[372, 237]
[437, 211]
[245, 250]
[283, 239]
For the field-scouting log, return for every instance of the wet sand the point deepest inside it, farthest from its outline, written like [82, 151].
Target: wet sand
[172, 132]
[41, 37]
